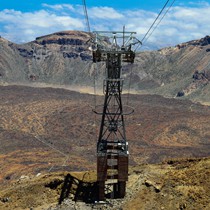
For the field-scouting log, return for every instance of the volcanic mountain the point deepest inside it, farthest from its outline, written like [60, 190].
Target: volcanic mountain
[64, 58]
[46, 130]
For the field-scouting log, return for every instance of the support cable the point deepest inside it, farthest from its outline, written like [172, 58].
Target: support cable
[55, 149]
[129, 85]
[96, 72]
[95, 99]
[153, 23]
[160, 21]
[37, 137]
[86, 15]
[95, 69]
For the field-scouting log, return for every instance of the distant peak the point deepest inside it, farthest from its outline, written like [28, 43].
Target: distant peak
[67, 34]
[64, 37]
[200, 42]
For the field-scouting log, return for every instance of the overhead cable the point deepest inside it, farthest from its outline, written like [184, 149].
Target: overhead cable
[155, 21]
[86, 15]
[160, 20]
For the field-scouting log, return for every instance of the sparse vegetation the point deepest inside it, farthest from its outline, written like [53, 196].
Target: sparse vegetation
[47, 132]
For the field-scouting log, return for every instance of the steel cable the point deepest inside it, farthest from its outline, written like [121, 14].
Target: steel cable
[129, 85]
[160, 21]
[155, 21]
[86, 15]
[150, 28]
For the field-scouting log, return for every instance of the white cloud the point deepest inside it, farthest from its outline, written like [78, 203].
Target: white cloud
[187, 22]
[16, 24]
[199, 3]
[59, 6]
[56, 6]
[181, 24]
[104, 13]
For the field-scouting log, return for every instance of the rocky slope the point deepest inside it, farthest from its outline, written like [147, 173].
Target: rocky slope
[48, 129]
[64, 58]
[181, 184]
[60, 58]
[182, 70]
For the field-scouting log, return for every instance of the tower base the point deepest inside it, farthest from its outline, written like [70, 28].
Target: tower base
[112, 178]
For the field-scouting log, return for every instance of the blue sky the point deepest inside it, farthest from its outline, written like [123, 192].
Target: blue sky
[22, 21]
[124, 4]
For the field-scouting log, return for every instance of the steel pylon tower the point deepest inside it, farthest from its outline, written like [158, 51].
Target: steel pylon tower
[112, 147]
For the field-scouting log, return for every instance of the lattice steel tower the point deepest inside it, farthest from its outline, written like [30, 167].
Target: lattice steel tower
[112, 146]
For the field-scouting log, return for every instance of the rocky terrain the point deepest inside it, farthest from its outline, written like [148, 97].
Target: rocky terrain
[44, 130]
[60, 58]
[65, 58]
[180, 71]
[175, 184]
[48, 130]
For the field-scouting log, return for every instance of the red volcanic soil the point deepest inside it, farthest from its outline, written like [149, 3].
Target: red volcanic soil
[46, 129]
[163, 128]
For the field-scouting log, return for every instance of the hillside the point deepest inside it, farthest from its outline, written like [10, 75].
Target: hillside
[60, 58]
[176, 184]
[47, 132]
[48, 129]
[64, 58]
[182, 70]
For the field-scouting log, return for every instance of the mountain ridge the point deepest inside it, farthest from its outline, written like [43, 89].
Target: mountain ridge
[64, 58]
[44, 130]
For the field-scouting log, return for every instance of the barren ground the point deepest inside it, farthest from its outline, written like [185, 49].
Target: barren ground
[176, 185]
[46, 130]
